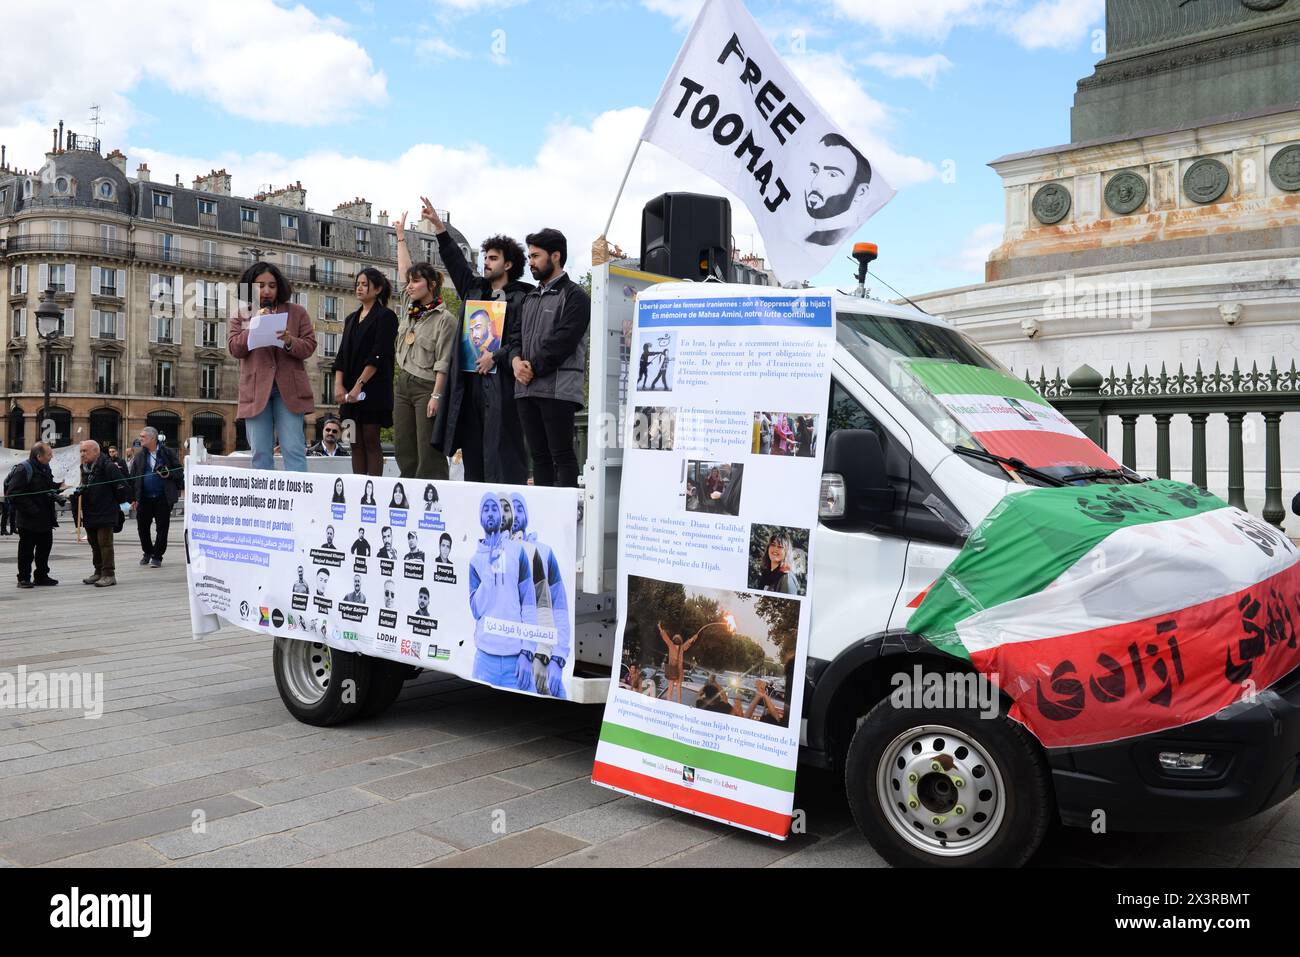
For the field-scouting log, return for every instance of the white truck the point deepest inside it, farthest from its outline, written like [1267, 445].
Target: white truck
[875, 554]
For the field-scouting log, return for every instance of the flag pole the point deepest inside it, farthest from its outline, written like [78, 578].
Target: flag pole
[604, 233]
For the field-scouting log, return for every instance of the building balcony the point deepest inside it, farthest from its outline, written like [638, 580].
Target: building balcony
[207, 220]
[164, 391]
[115, 248]
[106, 387]
[247, 228]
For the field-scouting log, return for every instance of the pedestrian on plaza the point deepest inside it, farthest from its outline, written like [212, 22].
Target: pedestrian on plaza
[425, 349]
[331, 443]
[548, 354]
[274, 389]
[116, 459]
[98, 502]
[31, 490]
[363, 370]
[7, 520]
[478, 420]
[156, 482]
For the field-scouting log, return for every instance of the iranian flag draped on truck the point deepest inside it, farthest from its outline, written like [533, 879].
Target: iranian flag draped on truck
[1110, 611]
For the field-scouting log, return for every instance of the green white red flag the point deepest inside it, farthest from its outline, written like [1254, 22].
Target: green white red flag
[1006, 416]
[1110, 611]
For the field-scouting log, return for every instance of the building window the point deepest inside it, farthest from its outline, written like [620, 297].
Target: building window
[170, 248]
[331, 344]
[62, 185]
[328, 269]
[162, 205]
[59, 234]
[56, 372]
[105, 281]
[105, 189]
[211, 298]
[248, 220]
[17, 280]
[163, 329]
[291, 260]
[105, 379]
[326, 235]
[210, 335]
[15, 378]
[164, 383]
[207, 207]
[288, 228]
[330, 311]
[299, 299]
[58, 277]
[27, 189]
[208, 380]
[327, 387]
[18, 322]
[162, 290]
[106, 325]
[363, 242]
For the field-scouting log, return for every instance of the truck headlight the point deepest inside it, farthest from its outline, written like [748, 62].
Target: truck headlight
[832, 501]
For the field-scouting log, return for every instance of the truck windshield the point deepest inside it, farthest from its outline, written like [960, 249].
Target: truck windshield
[883, 344]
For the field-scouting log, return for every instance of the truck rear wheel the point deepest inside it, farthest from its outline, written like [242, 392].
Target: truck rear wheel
[945, 787]
[386, 681]
[318, 684]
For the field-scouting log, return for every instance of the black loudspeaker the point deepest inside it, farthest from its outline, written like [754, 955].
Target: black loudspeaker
[687, 235]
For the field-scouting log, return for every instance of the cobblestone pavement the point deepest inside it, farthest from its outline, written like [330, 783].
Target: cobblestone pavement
[454, 775]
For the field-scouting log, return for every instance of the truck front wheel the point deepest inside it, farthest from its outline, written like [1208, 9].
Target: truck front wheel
[946, 787]
[318, 684]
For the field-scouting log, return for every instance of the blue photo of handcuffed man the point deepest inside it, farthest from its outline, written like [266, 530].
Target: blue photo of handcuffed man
[501, 592]
[552, 604]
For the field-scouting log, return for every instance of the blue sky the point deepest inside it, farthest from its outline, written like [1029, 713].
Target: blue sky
[520, 113]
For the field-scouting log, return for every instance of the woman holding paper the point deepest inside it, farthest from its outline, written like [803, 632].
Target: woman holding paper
[363, 370]
[274, 389]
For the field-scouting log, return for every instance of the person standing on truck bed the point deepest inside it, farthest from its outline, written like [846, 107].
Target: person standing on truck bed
[479, 416]
[548, 352]
[425, 351]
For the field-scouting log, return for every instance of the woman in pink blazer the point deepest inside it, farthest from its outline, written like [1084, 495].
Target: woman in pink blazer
[274, 388]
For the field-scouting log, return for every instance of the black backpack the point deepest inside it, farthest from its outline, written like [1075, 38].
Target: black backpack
[11, 483]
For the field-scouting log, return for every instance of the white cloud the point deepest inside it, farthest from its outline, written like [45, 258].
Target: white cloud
[253, 59]
[681, 12]
[975, 249]
[1056, 24]
[865, 120]
[923, 68]
[928, 19]
[438, 47]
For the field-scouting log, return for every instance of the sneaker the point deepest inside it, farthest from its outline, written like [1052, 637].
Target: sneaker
[23, 584]
[92, 579]
[106, 582]
[46, 581]
[155, 562]
[144, 561]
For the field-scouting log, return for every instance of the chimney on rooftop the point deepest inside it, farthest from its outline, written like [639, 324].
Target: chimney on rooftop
[217, 181]
[142, 172]
[357, 209]
[118, 159]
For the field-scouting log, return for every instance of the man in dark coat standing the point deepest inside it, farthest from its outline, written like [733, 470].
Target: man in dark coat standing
[100, 497]
[157, 479]
[479, 417]
[31, 489]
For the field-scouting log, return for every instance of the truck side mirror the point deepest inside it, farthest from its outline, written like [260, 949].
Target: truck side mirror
[854, 481]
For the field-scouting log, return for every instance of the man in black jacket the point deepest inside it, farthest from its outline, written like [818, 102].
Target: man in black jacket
[157, 480]
[548, 352]
[97, 503]
[479, 416]
[31, 489]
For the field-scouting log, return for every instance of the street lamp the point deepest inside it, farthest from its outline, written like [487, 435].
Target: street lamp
[49, 322]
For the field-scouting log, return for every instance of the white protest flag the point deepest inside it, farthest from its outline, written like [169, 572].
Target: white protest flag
[732, 109]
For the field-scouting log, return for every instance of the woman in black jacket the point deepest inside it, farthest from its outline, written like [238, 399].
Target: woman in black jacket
[363, 370]
[31, 489]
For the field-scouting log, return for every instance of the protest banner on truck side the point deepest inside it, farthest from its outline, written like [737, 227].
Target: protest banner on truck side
[459, 577]
[726, 420]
